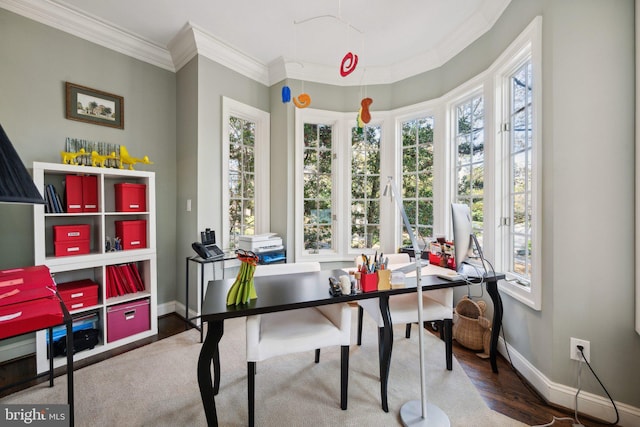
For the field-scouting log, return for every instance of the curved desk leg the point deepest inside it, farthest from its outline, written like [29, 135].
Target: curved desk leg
[209, 353]
[492, 290]
[385, 342]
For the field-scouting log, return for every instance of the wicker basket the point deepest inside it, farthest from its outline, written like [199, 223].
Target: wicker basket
[470, 328]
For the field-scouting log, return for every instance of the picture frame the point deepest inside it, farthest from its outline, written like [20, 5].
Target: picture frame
[94, 106]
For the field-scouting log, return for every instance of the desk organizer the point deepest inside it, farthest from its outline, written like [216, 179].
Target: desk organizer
[369, 282]
[384, 280]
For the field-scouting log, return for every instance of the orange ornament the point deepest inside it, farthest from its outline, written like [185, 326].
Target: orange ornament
[302, 101]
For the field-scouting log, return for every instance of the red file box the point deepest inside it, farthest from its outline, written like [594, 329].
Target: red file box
[71, 233]
[79, 294]
[131, 197]
[82, 193]
[132, 233]
[81, 247]
[71, 239]
[127, 319]
[27, 316]
[73, 189]
[90, 193]
[25, 283]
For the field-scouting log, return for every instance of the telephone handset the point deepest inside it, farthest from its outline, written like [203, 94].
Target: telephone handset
[207, 248]
[208, 251]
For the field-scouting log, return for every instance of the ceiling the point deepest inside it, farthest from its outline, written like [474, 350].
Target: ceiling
[305, 38]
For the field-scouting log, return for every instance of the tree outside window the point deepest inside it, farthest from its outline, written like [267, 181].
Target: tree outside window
[365, 187]
[318, 187]
[242, 135]
[469, 160]
[417, 176]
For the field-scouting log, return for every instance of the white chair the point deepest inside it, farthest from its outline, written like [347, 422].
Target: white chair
[295, 331]
[437, 305]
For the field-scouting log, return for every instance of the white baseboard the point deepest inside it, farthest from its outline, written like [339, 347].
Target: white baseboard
[20, 348]
[176, 307]
[562, 395]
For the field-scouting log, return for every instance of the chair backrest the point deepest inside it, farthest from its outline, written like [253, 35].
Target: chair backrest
[402, 258]
[287, 268]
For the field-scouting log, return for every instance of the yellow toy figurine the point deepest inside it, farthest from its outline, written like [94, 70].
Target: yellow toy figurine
[99, 159]
[70, 158]
[125, 158]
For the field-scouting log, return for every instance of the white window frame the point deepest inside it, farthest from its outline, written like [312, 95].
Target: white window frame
[380, 121]
[233, 108]
[333, 119]
[341, 145]
[526, 47]
[433, 108]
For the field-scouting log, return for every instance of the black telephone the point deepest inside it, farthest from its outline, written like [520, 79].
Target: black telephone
[207, 249]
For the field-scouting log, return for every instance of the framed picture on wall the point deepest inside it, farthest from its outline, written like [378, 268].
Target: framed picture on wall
[94, 106]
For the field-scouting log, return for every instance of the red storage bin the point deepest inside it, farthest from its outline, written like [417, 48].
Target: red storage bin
[90, 193]
[127, 319]
[132, 233]
[71, 233]
[82, 193]
[81, 247]
[73, 188]
[79, 294]
[25, 283]
[27, 316]
[131, 197]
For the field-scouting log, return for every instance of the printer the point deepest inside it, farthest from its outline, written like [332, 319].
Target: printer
[260, 242]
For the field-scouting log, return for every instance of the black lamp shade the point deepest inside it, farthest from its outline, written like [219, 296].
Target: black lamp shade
[16, 184]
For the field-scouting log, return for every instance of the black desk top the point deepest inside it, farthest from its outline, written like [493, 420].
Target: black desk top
[297, 290]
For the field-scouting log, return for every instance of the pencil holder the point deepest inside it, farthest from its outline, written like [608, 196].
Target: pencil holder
[384, 279]
[369, 282]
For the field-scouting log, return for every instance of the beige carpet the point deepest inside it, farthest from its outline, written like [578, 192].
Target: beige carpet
[156, 385]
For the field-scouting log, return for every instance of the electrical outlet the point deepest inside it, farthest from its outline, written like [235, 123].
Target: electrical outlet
[575, 353]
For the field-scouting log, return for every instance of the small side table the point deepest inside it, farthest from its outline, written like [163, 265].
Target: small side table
[228, 256]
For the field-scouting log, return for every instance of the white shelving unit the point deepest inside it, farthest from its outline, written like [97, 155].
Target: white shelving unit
[93, 265]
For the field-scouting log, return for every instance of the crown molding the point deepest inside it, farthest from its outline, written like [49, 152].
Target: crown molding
[91, 29]
[192, 40]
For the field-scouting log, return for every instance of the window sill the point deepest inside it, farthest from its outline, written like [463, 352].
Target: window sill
[519, 293]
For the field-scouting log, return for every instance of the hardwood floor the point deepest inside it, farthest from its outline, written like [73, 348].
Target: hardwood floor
[506, 392]
[510, 394]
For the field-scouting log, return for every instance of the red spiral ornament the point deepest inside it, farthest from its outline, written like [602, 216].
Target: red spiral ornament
[349, 63]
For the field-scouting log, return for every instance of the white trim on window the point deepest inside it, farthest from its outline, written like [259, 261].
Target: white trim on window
[232, 108]
[309, 115]
[526, 47]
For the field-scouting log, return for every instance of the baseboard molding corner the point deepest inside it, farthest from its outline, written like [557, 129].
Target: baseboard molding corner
[559, 394]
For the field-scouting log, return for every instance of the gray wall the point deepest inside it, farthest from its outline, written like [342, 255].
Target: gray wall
[202, 84]
[37, 61]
